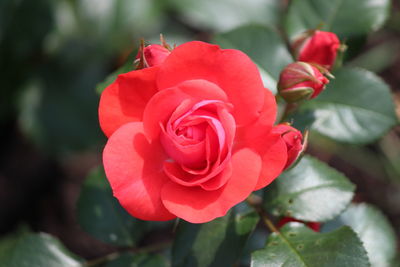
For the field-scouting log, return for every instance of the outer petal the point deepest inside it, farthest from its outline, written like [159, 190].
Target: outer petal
[125, 99]
[196, 205]
[273, 152]
[269, 110]
[230, 69]
[269, 146]
[165, 102]
[133, 167]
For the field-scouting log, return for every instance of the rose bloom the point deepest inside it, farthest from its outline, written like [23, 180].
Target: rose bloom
[190, 137]
[320, 48]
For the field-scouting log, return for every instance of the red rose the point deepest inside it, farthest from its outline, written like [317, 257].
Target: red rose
[153, 55]
[320, 48]
[293, 140]
[300, 81]
[192, 137]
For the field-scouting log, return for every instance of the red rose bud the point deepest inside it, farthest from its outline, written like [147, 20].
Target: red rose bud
[300, 81]
[312, 225]
[293, 140]
[152, 55]
[317, 47]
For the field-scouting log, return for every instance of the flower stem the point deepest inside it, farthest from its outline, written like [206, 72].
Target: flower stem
[102, 259]
[109, 257]
[255, 202]
[289, 108]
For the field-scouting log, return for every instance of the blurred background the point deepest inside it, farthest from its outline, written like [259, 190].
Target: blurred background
[54, 53]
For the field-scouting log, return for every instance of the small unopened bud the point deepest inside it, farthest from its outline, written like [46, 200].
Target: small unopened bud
[301, 81]
[152, 55]
[317, 47]
[293, 139]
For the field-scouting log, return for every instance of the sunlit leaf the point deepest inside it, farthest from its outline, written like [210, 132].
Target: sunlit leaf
[311, 191]
[297, 245]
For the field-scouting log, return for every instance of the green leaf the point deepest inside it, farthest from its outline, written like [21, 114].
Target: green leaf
[24, 29]
[116, 22]
[347, 18]
[356, 107]
[217, 243]
[34, 250]
[297, 245]
[101, 215]
[225, 15]
[59, 108]
[138, 260]
[263, 45]
[378, 58]
[374, 230]
[311, 191]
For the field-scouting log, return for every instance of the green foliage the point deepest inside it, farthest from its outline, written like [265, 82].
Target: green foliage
[263, 45]
[23, 28]
[297, 245]
[216, 243]
[100, 214]
[58, 110]
[311, 191]
[137, 260]
[34, 250]
[356, 107]
[224, 15]
[346, 18]
[373, 229]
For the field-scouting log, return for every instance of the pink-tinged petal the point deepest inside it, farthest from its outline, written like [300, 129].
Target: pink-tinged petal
[165, 102]
[125, 99]
[231, 70]
[133, 167]
[219, 180]
[197, 205]
[184, 152]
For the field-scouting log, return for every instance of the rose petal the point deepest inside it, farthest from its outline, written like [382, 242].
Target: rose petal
[197, 205]
[268, 145]
[165, 102]
[231, 70]
[273, 152]
[269, 110]
[219, 180]
[133, 167]
[125, 99]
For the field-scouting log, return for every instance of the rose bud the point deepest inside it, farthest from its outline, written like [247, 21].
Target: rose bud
[300, 81]
[151, 55]
[293, 140]
[317, 47]
[312, 225]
